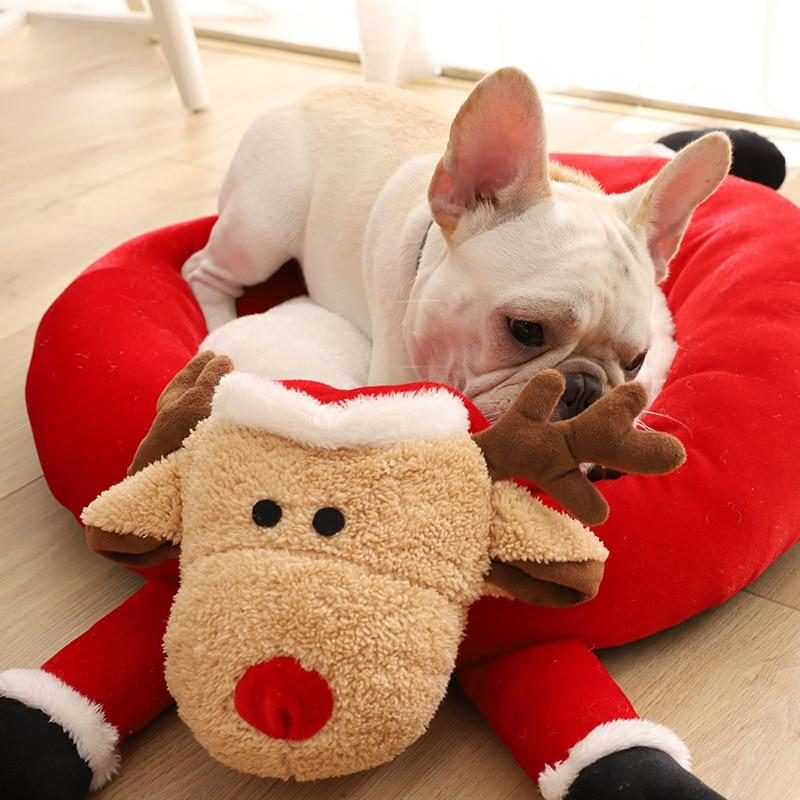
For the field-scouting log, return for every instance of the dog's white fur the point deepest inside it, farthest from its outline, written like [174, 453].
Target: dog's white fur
[348, 181]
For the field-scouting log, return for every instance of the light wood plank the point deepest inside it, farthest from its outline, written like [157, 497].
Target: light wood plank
[19, 464]
[81, 228]
[52, 588]
[457, 757]
[117, 113]
[781, 582]
[728, 682]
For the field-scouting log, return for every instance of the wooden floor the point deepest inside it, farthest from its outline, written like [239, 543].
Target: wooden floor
[95, 148]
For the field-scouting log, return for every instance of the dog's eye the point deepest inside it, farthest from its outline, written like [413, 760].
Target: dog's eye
[328, 521]
[636, 364]
[531, 334]
[267, 513]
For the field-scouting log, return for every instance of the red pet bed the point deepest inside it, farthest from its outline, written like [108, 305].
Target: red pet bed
[679, 544]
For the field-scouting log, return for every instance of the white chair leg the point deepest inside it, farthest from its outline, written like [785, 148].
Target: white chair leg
[174, 29]
[10, 20]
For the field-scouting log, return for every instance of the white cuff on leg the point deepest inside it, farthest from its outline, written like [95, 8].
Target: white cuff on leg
[605, 739]
[84, 721]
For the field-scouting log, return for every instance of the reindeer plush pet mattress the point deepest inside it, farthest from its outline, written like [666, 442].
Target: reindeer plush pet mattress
[679, 544]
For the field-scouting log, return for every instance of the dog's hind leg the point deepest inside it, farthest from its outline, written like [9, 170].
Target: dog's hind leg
[238, 254]
[262, 214]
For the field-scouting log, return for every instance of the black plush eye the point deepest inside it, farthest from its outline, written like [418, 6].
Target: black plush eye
[531, 334]
[267, 513]
[637, 362]
[328, 521]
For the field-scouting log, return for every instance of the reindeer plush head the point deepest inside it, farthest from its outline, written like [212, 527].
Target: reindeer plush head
[329, 550]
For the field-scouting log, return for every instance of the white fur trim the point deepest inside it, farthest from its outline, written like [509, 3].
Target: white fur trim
[84, 721]
[337, 353]
[605, 739]
[365, 421]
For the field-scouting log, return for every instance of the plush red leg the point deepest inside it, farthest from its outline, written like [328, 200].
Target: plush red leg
[118, 663]
[558, 710]
[101, 687]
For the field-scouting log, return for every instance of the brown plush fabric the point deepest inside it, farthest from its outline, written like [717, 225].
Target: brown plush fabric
[409, 508]
[185, 401]
[555, 585]
[129, 549]
[523, 443]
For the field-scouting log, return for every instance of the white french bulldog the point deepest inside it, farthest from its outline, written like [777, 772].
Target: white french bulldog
[477, 268]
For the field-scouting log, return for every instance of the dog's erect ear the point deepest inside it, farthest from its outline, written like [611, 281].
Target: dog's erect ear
[539, 555]
[663, 206]
[496, 154]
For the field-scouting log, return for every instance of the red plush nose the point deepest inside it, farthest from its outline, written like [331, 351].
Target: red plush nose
[283, 700]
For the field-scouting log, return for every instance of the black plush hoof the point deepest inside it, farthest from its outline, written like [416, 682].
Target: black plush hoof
[38, 760]
[754, 158]
[598, 473]
[639, 773]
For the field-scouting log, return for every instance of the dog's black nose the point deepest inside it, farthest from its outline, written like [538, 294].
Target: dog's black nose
[581, 391]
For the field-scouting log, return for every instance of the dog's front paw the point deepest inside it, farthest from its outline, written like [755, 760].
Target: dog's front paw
[37, 757]
[639, 773]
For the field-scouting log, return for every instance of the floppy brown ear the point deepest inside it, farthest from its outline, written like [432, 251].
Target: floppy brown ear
[138, 521]
[185, 402]
[539, 555]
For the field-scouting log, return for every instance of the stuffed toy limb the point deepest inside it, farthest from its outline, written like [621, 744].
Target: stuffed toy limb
[573, 730]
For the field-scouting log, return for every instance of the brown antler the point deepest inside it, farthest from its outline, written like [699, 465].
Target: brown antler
[185, 401]
[523, 443]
